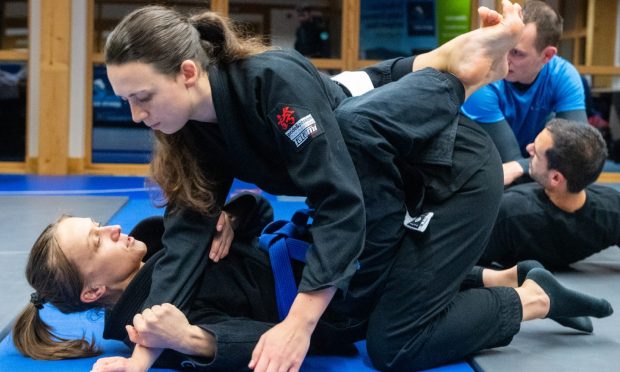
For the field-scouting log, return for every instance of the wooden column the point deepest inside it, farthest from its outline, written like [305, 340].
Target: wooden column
[220, 6]
[350, 43]
[601, 37]
[55, 71]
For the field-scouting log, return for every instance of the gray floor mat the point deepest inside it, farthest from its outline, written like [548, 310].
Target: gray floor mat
[22, 219]
[543, 345]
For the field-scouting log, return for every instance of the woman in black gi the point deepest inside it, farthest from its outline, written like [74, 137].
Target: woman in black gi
[76, 265]
[225, 108]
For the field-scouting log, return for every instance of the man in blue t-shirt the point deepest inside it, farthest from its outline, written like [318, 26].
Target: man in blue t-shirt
[539, 86]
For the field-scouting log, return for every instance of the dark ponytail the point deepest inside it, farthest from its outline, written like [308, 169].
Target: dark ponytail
[222, 41]
[34, 338]
[164, 38]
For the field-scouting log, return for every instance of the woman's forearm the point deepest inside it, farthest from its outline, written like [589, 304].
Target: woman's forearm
[308, 307]
[144, 357]
[198, 342]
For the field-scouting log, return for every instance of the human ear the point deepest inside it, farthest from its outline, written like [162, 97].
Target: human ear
[557, 178]
[549, 52]
[92, 294]
[189, 71]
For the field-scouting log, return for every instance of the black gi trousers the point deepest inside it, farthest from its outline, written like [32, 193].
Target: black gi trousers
[420, 318]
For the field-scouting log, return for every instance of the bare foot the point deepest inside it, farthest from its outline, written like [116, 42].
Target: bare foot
[488, 17]
[478, 57]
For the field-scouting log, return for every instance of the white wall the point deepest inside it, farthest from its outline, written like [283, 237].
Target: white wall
[33, 78]
[77, 84]
[77, 107]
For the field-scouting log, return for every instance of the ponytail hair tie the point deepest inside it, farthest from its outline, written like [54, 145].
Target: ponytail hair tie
[36, 300]
[210, 27]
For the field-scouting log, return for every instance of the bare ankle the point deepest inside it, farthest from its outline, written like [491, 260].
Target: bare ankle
[436, 59]
[534, 300]
[500, 278]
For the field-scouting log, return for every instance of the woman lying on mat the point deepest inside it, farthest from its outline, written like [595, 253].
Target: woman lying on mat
[77, 265]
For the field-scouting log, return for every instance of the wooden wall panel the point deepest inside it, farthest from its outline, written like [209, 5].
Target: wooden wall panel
[54, 86]
[350, 34]
[220, 6]
[600, 40]
[55, 72]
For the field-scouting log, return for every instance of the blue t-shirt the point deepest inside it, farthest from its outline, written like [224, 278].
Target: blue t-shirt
[558, 88]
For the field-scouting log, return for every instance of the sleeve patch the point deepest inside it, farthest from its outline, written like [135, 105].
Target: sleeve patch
[297, 123]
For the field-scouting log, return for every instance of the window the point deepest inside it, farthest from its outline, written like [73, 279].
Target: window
[313, 28]
[13, 79]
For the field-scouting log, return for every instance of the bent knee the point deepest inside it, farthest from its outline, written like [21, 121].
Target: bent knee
[380, 355]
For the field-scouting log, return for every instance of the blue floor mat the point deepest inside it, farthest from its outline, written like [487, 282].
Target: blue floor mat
[23, 217]
[91, 325]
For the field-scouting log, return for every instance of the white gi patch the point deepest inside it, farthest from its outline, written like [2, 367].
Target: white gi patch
[418, 223]
[302, 130]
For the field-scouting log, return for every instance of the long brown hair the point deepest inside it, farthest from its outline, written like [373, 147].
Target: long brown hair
[57, 281]
[164, 38]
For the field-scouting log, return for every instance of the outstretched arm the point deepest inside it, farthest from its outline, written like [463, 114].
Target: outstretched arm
[579, 116]
[187, 236]
[286, 344]
[514, 164]
[141, 360]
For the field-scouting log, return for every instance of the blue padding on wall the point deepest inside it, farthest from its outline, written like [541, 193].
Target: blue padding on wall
[91, 324]
[121, 157]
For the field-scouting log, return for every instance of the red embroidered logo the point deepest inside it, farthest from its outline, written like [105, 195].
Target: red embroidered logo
[286, 118]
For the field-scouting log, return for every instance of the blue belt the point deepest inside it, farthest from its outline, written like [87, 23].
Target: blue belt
[283, 241]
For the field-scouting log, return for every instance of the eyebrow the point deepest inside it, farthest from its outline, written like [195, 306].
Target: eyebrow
[138, 92]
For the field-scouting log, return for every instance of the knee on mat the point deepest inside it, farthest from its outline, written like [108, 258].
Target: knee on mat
[381, 352]
[385, 358]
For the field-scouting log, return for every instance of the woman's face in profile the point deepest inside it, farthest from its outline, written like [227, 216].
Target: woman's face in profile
[157, 100]
[103, 255]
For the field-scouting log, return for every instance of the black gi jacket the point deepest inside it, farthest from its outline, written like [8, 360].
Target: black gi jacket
[255, 99]
[278, 128]
[529, 226]
[234, 299]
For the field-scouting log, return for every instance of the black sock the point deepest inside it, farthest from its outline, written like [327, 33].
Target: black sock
[566, 302]
[580, 323]
[524, 267]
